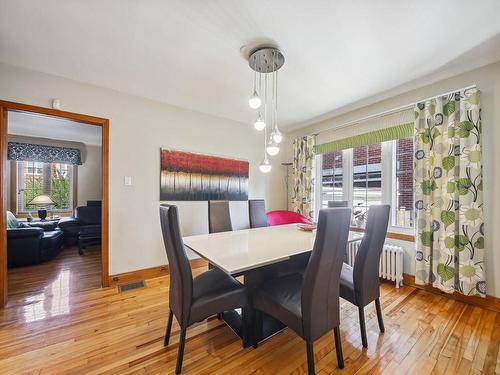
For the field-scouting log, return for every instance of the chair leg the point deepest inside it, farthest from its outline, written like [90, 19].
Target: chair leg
[169, 328]
[180, 353]
[379, 315]
[338, 347]
[310, 358]
[362, 326]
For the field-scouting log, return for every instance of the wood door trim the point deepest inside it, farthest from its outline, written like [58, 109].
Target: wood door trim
[3, 208]
[6, 106]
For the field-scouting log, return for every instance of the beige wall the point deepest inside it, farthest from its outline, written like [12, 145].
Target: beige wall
[138, 129]
[487, 80]
[89, 176]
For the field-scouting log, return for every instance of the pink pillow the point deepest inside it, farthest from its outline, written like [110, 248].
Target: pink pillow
[281, 217]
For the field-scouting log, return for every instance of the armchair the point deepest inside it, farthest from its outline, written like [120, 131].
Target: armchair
[28, 245]
[86, 221]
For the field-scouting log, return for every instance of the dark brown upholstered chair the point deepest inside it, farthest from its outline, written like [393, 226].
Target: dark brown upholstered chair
[257, 213]
[360, 285]
[192, 300]
[309, 303]
[338, 204]
[219, 217]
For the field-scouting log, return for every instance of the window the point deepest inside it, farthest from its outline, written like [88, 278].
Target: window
[403, 182]
[380, 173]
[331, 178]
[366, 179]
[53, 179]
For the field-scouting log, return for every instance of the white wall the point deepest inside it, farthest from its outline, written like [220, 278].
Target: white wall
[89, 176]
[487, 80]
[138, 129]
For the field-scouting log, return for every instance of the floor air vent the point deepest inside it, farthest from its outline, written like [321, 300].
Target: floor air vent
[131, 286]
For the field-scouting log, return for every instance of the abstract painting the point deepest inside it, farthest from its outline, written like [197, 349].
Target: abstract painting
[186, 176]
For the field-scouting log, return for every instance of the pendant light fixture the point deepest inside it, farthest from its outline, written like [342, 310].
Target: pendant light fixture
[272, 147]
[254, 101]
[265, 166]
[266, 61]
[259, 124]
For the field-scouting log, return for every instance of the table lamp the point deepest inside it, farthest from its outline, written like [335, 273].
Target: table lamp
[42, 201]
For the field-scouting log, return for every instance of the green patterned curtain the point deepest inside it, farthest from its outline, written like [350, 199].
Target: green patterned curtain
[303, 175]
[449, 194]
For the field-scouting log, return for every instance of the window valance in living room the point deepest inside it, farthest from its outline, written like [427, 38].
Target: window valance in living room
[43, 153]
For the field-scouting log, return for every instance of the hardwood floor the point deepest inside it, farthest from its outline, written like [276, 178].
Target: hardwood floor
[45, 290]
[100, 331]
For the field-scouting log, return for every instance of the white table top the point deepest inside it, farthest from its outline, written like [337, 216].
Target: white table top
[242, 250]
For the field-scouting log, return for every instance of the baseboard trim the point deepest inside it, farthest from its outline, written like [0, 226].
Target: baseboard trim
[149, 273]
[489, 302]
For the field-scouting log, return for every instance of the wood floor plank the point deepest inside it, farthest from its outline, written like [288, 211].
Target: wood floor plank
[63, 323]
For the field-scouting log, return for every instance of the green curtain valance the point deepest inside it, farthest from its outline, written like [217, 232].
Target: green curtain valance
[376, 136]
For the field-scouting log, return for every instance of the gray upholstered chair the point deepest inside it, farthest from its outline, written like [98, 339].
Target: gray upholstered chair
[257, 213]
[219, 217]
[309, 303]
[338, 204]
[360, 284]
[192, 300]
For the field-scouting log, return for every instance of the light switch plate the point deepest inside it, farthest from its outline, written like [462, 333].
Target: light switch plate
[128, 181]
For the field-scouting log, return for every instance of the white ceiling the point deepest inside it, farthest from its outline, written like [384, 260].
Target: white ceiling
[33, 125]
[187, 53]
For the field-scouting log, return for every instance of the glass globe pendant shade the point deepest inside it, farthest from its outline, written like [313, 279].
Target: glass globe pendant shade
[272, 148]
[265, 166]
[259, 124]
[277, 136]
[254, 101]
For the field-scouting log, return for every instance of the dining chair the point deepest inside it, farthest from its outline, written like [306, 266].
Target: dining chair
[257, 213]
[309, 303]
[219, 217]
[336, 204]
[360, 284]
[193, 299]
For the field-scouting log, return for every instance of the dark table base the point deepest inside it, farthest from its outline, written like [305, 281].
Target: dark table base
[240, 322]
[270, 327]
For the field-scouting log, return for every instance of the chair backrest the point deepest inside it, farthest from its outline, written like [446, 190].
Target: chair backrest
[320, 291]
[219, 217]
[257, 213]
[88, 215]
[337, 204]
[281, 217]
[366, 264]
[181, 278]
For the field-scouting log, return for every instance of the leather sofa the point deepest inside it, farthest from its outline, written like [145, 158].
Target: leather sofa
[32, 245]
[86, 219]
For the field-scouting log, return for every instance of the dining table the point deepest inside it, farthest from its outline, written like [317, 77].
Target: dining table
[257, 255]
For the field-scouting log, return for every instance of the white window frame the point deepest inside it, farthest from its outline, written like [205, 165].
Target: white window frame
[25, 210]
[318, 185]
[393, 196]
[388, 183]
